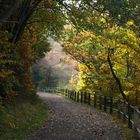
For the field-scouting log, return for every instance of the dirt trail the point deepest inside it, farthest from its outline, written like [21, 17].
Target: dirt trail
[72, 121]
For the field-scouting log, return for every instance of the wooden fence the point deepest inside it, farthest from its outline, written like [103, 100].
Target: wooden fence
[122, 109]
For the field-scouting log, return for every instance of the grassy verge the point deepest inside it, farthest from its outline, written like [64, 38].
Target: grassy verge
[126, 132]
[20, 117]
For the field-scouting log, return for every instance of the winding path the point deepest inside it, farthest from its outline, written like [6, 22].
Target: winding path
[72, 121]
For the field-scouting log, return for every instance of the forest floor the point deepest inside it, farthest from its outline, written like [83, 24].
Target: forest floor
[68, 120]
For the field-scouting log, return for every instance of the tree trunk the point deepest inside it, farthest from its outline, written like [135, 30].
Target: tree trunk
[24, 16]
[114, 75]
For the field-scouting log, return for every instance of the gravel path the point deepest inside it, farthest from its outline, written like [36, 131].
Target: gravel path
[72, 121]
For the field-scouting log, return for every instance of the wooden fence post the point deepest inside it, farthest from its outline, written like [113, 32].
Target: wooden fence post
[111, 105]
[100, 102]
[77, 96]
[129, 116]
[136, 124]
[81, 96]
[75, 93]
[85, 97]
[105, 103]
[119, 108]
[68, 94]
[124, 111]
[95, 100]
[72, 95]
[89, 98]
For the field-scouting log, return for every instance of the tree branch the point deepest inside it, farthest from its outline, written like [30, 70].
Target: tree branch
[25, 14]
[114, 75]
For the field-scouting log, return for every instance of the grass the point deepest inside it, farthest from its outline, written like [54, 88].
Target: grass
[126, 132]
[20, 117]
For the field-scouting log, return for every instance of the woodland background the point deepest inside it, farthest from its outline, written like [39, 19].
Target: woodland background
[102, 36]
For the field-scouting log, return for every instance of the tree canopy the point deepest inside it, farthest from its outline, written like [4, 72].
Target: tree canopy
[103, 35]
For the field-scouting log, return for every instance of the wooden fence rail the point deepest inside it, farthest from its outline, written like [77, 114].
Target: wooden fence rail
[123, 109]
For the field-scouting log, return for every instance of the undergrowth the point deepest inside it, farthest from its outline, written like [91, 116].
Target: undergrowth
[19, 117]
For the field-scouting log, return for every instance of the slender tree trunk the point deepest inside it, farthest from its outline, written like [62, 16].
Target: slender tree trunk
[24, 16]
[114, 75]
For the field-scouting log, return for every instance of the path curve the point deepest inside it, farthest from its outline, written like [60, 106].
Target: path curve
[69, 120]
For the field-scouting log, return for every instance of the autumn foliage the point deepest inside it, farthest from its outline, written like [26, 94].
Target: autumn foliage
[108, 62]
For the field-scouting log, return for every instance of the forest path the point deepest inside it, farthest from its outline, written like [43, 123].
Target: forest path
[69, 120]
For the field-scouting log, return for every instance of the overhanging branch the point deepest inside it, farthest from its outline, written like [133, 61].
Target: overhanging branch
[114, 75]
